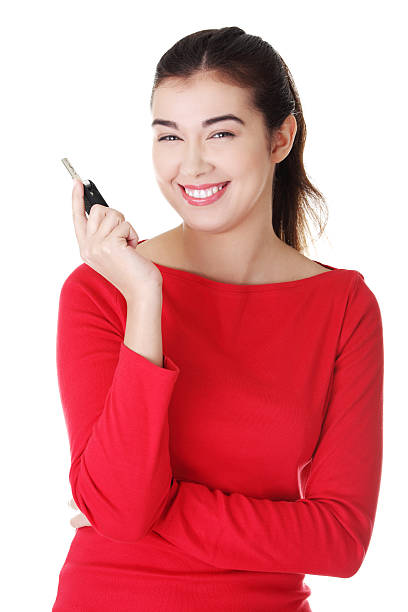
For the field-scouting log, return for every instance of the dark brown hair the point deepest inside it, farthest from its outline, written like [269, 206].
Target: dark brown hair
[250, 62]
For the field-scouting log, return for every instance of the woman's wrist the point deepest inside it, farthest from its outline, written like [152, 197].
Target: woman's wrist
[143, 333]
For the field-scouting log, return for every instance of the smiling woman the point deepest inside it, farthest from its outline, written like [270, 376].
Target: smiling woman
[247, 453]
[267, 110]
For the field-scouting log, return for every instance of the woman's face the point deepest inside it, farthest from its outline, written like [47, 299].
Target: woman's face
[227, 150]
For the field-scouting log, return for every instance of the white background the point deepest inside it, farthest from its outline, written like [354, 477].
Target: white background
[76, 80]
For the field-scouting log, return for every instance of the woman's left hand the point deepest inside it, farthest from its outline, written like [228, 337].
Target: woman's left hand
[79, 520]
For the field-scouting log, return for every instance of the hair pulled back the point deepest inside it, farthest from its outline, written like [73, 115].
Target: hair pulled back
[248, 61]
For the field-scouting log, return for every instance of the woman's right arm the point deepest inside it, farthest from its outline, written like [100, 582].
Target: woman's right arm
[115, 398]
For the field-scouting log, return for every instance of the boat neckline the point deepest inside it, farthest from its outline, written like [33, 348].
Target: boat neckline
[237, 287]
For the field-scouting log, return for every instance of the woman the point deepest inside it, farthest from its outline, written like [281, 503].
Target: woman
[222, 392]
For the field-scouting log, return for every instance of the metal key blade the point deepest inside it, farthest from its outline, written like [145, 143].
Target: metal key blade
[70, 168]
[72, 172]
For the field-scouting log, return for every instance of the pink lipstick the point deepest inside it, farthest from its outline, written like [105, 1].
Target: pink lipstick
[204, 201]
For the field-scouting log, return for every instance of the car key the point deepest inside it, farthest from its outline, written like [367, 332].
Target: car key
[91, 192]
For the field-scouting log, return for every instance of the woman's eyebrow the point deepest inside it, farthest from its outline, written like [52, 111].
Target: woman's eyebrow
[206, 123]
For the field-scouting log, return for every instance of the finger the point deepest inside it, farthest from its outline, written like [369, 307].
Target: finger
[110, 220]
[78, 211]
[126, 230]
[80, 520]
[72, 504]
[96, 215]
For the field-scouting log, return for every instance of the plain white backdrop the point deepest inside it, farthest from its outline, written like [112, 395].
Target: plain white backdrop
[76, 80]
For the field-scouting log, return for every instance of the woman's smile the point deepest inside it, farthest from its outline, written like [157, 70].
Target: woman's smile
[203, 201]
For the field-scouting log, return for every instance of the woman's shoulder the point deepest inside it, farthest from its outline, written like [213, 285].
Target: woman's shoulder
[84, 276]
[86, 290]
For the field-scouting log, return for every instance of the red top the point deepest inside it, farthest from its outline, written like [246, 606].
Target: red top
[251, 458]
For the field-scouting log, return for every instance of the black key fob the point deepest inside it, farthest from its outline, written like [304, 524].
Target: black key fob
[91, 192]
[92, 196]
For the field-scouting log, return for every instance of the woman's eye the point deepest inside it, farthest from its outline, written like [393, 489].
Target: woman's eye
[165, 137]
[227, 133]
[173, 136]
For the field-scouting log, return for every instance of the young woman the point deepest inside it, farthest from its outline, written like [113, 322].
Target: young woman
[222, 391]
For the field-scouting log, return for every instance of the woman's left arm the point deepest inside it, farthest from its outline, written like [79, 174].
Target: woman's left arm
[328, 531]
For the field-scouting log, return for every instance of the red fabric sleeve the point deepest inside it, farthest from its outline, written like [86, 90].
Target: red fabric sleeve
[328, 531]
[115, 404]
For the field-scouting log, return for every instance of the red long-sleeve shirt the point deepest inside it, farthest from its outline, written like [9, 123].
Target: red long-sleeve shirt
[251, 458]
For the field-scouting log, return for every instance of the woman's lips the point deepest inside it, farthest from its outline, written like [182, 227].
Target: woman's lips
[203, 201]
[205, 185]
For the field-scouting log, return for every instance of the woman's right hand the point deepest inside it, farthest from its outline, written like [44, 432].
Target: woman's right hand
[107, 243]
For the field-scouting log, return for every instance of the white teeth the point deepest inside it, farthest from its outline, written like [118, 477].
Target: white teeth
[203, 193]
